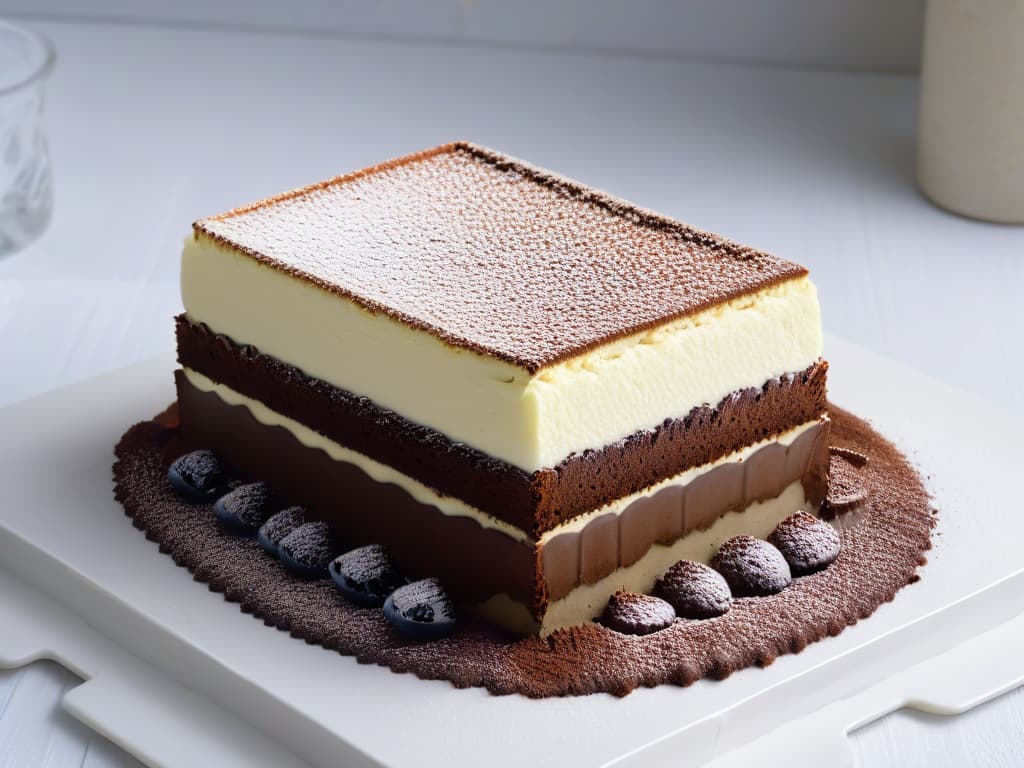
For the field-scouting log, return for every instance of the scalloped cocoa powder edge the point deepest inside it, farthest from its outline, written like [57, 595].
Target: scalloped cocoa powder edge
[881, 553]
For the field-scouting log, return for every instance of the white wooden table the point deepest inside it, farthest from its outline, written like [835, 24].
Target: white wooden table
[153, 127]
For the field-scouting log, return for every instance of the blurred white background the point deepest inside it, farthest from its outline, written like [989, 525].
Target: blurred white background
[872, 35]
[788, 124]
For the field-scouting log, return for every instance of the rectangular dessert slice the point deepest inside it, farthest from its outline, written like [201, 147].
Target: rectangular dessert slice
[529, 389]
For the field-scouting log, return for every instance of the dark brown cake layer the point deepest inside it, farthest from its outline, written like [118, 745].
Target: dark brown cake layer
[494, 255]
[474, 562]
[534, 502]
[882, 550]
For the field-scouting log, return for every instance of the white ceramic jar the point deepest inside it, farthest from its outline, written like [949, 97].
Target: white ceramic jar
[971, 133]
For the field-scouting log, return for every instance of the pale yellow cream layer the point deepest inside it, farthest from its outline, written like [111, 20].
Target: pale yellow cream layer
[530, 421]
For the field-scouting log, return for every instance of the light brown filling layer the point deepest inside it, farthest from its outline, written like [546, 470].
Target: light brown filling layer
[586, 602]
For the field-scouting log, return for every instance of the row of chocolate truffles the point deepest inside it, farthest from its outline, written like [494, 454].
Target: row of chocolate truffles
[743, 567]
[365, 576]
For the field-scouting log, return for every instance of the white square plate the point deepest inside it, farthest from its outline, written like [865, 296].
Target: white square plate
[184, 658]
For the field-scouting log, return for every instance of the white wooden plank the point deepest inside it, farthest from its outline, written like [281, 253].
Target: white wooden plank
[9, 680]
[990, 735]
[103, 754]
[34, 731]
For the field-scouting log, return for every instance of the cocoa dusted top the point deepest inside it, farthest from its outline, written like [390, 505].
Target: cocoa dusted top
[494, 255]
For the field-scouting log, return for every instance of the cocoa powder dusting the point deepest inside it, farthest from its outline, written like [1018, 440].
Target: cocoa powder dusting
[880, 554]
[494, 255]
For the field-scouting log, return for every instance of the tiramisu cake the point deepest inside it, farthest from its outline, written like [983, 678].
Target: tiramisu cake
[464, 418]
[532, 392]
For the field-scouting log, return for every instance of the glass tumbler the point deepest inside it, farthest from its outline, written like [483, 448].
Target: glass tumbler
[26, 188]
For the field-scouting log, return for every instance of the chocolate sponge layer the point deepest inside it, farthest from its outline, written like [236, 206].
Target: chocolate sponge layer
[534, 502]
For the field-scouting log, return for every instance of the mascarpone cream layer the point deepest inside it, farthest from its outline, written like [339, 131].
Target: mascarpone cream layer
[587, 602]
[528, 420]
